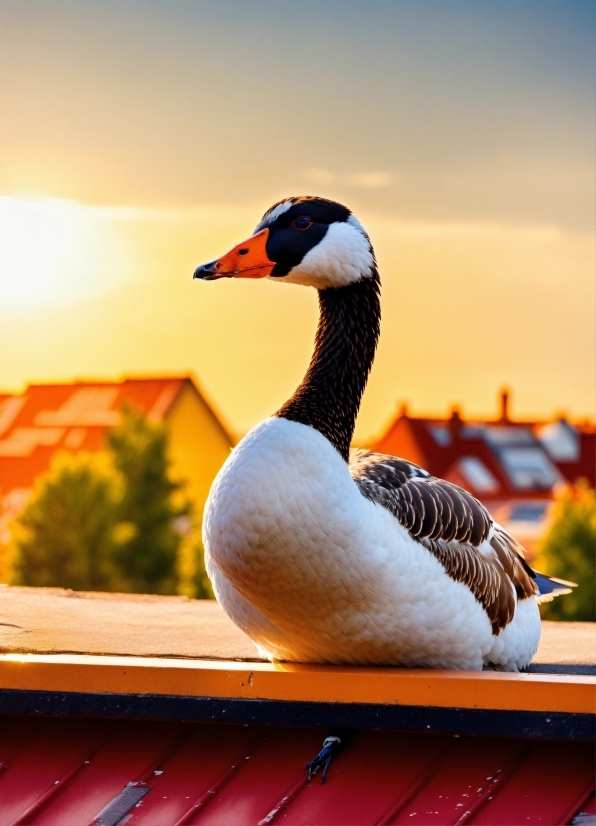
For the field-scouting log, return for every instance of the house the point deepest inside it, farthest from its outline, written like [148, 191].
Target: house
[512, 466]
[76, 416]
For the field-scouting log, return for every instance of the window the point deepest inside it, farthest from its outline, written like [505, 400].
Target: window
[529, 467]
[477, 474]
[521, 455]
[501, 436]
[528, 512]
[441, 434]
[561, 441]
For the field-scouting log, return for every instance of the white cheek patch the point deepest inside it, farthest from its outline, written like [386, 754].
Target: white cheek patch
[342, 257]
[356, 223]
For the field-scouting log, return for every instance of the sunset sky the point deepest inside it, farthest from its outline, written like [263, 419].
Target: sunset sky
[138, 139]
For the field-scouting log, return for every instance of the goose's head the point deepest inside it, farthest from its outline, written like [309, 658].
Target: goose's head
[306, 240]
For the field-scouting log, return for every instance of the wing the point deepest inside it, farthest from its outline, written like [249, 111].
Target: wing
[452, 525]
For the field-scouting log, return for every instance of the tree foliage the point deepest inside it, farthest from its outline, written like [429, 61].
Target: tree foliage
[147, 557]
[106, 521]
[568, 551]
[202, 588]
[65, 536]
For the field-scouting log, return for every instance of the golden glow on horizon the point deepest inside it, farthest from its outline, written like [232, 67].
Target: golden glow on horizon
[53, 252]
[467, 306]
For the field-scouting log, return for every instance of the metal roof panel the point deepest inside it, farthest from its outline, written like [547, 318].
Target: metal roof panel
[66, 772]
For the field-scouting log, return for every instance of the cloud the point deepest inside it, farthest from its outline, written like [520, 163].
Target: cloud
[468, 229]
[320, 176]
[371, 180]
[361, 180]
[135, 213]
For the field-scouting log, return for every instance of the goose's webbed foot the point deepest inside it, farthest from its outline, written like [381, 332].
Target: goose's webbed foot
[331, 746]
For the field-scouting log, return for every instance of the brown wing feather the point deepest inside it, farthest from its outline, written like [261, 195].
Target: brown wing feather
[452, 525]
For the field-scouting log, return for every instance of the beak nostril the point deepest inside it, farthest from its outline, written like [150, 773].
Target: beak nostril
[242, 251]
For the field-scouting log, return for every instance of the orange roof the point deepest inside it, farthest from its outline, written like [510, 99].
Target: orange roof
[76, 416]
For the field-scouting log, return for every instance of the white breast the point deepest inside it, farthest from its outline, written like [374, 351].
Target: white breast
[312, 571]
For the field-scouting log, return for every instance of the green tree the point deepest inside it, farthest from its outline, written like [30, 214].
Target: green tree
[568, 550]
[112, 520]
[202, 588]
[192, 576]
[65, 536]
[150, 507]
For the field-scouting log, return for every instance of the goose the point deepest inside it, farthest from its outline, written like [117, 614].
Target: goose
[324, 554]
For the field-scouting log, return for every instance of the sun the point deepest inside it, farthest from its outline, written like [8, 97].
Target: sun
[51, 251]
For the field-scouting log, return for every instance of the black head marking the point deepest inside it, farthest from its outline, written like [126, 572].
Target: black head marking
[320, 209]
[288, 243]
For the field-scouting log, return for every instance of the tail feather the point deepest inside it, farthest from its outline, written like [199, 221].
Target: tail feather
[550, 587]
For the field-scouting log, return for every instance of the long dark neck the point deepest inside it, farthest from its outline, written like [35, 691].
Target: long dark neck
[329, 397]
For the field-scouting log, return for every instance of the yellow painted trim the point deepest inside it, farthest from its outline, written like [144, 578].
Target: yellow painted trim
[287, 681]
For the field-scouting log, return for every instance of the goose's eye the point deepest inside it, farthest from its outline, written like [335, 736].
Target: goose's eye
[302, 222]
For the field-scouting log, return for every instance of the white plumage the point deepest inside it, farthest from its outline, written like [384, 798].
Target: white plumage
[314, 572]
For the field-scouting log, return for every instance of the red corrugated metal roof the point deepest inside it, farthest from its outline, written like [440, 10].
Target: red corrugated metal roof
[72, 772]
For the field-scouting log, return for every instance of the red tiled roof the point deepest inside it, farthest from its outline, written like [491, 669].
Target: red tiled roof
[413, 438]
[76, 416]
[586, 467]
[81, 771]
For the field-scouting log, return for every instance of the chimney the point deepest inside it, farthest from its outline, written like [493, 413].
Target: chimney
[455, 422]
[504, 405]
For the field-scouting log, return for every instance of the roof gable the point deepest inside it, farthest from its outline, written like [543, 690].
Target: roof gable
[74, 416]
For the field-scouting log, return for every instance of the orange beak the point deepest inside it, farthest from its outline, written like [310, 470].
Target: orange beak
[246, 260]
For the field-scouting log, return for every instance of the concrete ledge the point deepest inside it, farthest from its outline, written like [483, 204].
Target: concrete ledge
[52, 620]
